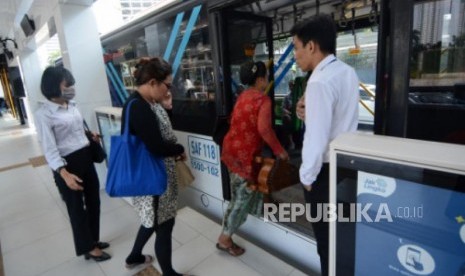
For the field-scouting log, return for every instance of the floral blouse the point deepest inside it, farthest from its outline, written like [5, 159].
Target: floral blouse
[250, 128]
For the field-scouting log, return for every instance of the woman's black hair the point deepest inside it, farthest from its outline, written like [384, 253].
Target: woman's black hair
[320, 29]
[52, 79]
[251, 70]
[153, 68]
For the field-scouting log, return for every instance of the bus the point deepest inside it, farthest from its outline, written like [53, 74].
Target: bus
[409, 56]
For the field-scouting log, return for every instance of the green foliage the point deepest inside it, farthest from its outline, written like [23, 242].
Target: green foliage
[53, 56]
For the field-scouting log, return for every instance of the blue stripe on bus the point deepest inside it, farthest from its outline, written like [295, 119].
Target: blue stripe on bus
[185, 38]
[284, 56]
[123, 91]
[174, 33]
[113, 89]
[113, 82]
[284, 72]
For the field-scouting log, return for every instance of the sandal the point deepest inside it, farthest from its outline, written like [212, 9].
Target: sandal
[147, 260]
[234, 250]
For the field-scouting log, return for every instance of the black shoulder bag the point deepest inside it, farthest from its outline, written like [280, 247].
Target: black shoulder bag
[98, 154]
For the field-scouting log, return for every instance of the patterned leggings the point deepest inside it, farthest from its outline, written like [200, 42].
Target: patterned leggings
[244, 201]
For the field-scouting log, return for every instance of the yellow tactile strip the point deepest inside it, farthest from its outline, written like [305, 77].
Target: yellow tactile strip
[14, 166]
[38, 161]
[34, 162]
[148, 271]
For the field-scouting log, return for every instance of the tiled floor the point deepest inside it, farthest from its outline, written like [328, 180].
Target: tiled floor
[36, 237]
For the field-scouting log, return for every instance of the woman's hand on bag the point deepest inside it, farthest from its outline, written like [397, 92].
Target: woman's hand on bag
[284, 155]
[71, 180]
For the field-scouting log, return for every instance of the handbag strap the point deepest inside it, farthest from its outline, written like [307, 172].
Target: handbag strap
[126, 120]
[86, 127]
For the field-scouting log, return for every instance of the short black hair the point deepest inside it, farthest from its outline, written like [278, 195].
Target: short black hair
[319, 28]
[51, 81]
[152, 68]
[251, 70]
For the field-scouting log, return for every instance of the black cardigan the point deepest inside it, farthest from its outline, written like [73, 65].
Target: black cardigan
[143, 123]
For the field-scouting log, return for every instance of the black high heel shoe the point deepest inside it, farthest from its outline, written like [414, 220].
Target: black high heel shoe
[105, 256]
[102, 245]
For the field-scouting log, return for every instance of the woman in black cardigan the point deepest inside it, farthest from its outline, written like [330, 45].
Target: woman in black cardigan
[153, 78]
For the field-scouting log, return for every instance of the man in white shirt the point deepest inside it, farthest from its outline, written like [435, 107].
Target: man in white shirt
[331, 108]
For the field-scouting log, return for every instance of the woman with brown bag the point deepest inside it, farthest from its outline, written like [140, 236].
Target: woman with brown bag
[250, 128]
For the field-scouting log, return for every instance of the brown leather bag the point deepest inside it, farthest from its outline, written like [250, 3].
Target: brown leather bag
[274, 175]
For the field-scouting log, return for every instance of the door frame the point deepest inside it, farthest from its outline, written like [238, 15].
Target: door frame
[219, 20]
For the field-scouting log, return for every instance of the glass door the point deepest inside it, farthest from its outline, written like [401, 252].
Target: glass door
[240, 37]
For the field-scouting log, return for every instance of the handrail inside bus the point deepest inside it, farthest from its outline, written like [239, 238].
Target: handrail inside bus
[369, 93]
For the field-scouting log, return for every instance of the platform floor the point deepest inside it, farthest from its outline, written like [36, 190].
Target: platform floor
[35, 234]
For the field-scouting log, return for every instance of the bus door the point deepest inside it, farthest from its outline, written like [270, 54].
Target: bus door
[240, 37]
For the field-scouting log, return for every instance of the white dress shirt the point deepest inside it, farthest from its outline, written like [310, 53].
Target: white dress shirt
[60, 131]
[331, 108]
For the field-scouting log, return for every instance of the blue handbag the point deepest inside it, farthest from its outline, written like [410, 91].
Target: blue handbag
[132, 169]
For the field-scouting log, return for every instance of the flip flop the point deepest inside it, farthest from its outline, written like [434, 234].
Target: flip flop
[234, 250]
[148, 259]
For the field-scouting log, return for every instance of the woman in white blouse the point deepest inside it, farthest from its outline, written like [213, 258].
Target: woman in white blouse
[65, 146]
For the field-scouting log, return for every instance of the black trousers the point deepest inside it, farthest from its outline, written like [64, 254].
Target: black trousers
[83, 206]
[320, 194]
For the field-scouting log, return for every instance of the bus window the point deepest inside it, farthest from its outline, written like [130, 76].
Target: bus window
[438, 44]
[362, 57]
[193, 85]
[436, 105]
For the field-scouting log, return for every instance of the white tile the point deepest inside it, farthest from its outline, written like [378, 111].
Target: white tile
[189, 255]
[45, 173]
[117, 222]
[40, 256]
[19, 180]
[17, 146]
[196, 220]
[261, 260]
[46, 176]
[175, 244]
[108, 203]
[183, 233]
[23, 206]
[76, 267]
[34, 229]
[220, 264]
[213, 233]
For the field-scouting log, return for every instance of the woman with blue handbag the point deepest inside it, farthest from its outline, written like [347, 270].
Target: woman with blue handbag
[148, 121]
[66, 148]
